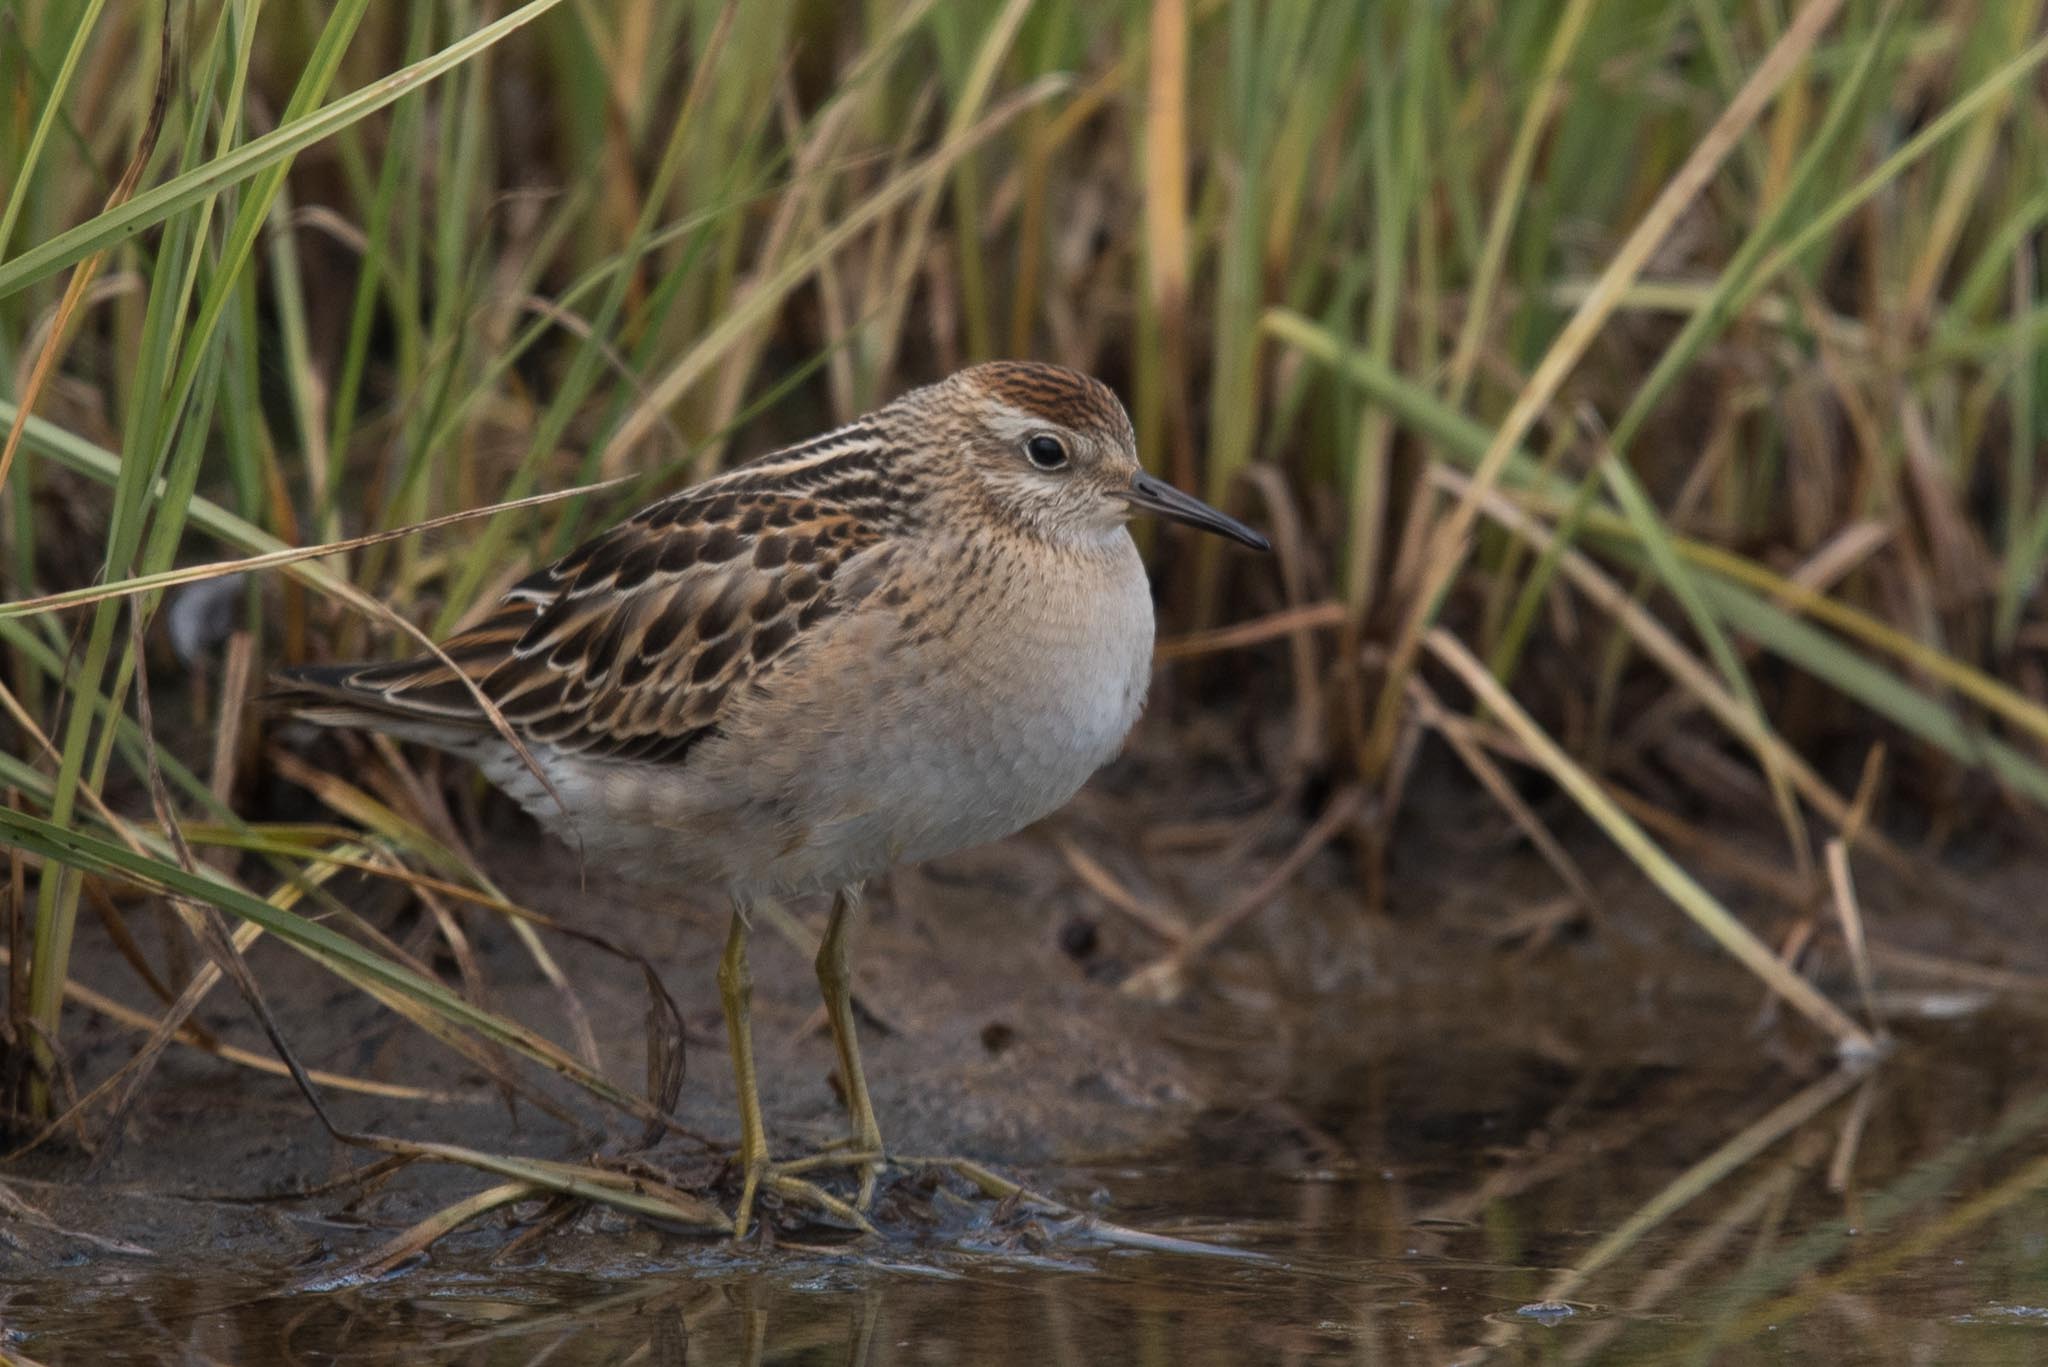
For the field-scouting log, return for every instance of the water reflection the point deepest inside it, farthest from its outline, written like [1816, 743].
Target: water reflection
[1629, 1215]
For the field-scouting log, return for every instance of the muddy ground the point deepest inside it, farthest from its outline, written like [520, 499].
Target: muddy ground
[994, 1023]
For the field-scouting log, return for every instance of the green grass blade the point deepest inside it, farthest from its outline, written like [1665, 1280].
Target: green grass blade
[153, 206]
[53, 110]
[87, 854]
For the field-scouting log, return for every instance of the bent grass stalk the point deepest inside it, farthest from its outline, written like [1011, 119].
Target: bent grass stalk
[1754, 596]
[1449, 541]
[1702, 906]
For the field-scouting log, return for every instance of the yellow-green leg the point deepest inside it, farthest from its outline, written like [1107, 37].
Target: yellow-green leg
[863, 1146]
[736, 994]
[835, 982]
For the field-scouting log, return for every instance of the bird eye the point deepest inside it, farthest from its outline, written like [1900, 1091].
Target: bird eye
[1046, 452]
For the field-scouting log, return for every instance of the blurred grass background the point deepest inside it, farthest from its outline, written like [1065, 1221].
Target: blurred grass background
[1662, 376]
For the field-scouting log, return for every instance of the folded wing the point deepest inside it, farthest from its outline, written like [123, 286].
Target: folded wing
[633, 645]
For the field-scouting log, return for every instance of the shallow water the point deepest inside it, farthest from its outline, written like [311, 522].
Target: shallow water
[1508, 1209]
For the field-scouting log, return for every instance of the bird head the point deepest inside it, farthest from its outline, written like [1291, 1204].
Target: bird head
[1053, 450]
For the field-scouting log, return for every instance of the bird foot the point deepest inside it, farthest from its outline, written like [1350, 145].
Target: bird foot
[791, 1177]
[1078, 1222]
[784, 1180]
[850, 1153]
[869, 1159]
[987, 1179]
[792, 1181]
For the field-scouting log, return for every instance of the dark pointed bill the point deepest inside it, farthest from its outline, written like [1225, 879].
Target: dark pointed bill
[1157, 496]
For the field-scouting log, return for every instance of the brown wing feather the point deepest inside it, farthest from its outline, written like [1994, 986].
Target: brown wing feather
[632, 645]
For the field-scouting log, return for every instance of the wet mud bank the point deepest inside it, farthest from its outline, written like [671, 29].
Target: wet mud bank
[1359, 1096]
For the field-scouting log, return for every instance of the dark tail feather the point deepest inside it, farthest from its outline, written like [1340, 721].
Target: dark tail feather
[428, 697]
[313, 679]
[348, 695]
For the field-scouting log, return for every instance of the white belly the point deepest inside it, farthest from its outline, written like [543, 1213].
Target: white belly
[894, 754]
[1048, 701]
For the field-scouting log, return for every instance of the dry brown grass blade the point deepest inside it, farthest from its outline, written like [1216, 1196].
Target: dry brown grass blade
[1161, 921]
[1919, 963]
[531, 1178]
[668, 1057]
[468, 971]
[1165, 213]
[116, 926]
[237, 670]
[1164, 978]
[124, 1085]
[82, 274]
[663, 1013]
[492, 1065]
[195, 991]
[558, 1211]
[1294, 550]
[1845, 552]
[209, 926]
[361, 1180]
[666, 1046]
[194, 574]
[798, 212]
[1323, 616]
[352, 801]
[1841, 883]
[1714, 853]
[578, 1014]
[337, 793]
[381, 863]
[636, 1192]
[684, 373]
[355, 597]
[1700, 845]
[1657, 642]
[1971, 163]
[579, 327]
[205, 923]
[1028, 299]
[341, 914]
[19, 715]
[883, 335]
[1701, 906]
[1448, 544]
[209, 976]
[416, 1240]
[190, 1036]
[76, 1108]
[350, 237]
[1842, 1165]
[119, 285]
[1461, 739]
[13, 1207]
[1850, 913]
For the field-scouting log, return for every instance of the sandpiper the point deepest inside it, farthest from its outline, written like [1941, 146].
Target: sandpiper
[916, 633]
